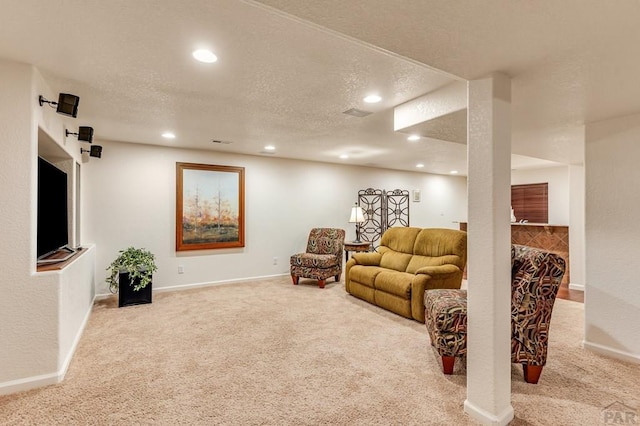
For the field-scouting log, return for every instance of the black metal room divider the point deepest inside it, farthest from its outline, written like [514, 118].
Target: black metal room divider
[382, 211]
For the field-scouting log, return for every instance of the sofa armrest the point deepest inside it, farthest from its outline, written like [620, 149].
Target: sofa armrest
[441, 271]
[429, 278]
[366, 259]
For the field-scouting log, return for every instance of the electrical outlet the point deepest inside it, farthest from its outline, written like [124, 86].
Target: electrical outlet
[180, 269]
[275, 260]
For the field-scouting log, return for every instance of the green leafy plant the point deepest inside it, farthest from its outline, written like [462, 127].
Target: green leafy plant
[138, 262]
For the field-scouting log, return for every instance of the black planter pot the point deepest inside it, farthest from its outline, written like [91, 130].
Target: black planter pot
[127, 296]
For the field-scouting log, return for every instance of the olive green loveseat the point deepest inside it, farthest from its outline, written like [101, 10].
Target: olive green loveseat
[408, 262]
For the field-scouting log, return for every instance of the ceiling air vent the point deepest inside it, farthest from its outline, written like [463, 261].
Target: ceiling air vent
[357, 112]
[221, 142]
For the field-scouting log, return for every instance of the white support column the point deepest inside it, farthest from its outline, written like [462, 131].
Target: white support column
[489, 243]
[576, 227]
[577, 252]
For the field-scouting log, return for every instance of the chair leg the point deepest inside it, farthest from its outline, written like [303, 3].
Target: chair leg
[321, 283]
[531, 373]
[447, 364]
[338, 278]
[295, 279]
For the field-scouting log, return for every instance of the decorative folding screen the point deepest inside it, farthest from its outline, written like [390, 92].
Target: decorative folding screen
[382, 210]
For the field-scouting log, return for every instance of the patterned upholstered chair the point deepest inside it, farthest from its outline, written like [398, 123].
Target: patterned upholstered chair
[323, 258]
[536, 277]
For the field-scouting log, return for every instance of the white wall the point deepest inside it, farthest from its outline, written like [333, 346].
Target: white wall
[558, 180]
[27, 307]
[76, 291]
[37, 328]
[612, 302]
[130, 196]
[576, 225]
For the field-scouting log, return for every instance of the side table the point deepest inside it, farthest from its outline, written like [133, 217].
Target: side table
[353, 246]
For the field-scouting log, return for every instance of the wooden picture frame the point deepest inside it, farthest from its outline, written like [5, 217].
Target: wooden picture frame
[209, 206]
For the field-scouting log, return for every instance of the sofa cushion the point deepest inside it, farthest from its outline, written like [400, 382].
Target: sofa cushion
[435, 247]
[394, 260]
[401, 239]
[440, 242]
[396, 283]
[364, 275]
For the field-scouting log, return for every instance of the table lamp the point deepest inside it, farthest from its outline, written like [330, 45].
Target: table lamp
[357, 216]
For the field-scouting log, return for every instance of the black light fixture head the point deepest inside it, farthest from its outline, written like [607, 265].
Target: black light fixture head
[95, 151]
[67, 104]
[85, 134]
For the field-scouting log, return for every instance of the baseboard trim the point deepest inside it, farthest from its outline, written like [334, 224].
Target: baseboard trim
[610, 352]
[28, 383]
[579, 287]
[487, 418]
[203, 284]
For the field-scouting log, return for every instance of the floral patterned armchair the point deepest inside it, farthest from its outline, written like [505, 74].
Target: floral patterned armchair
[536, 277]
[323, 258]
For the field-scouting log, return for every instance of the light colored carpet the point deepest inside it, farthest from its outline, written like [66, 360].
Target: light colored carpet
[270, 353]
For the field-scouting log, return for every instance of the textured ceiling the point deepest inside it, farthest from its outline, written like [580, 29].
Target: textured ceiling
[287, 70]
[571, 61]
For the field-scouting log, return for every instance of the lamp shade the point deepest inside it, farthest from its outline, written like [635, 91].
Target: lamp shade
[357, 215]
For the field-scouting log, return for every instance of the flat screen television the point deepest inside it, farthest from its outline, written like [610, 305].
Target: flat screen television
[53, 233]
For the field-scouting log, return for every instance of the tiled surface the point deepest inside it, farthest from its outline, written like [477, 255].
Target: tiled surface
[548, 237]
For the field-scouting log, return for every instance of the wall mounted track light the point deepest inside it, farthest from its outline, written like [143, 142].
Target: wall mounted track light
[85, 134]
[95, 151]
[67, 104]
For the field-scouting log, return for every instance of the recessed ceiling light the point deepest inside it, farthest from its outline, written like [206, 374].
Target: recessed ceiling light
[204, 55]
[413, 138]
[344, 156]
[169, 135]
[454, 172]
[372, 99]
[270, 148]
[419, 165]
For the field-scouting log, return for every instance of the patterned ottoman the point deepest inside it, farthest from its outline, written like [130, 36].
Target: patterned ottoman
[446, 320]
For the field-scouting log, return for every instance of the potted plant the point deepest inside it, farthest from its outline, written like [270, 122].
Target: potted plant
[130, 275]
